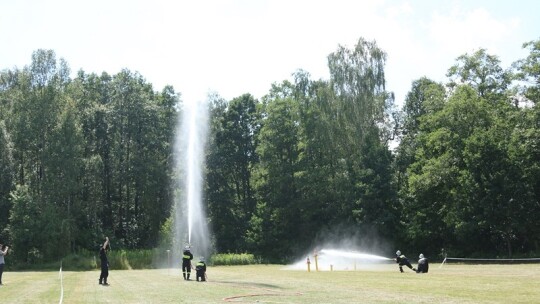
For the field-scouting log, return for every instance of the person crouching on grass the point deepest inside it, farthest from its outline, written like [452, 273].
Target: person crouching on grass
[3, 252]
[423, 264]
[200, 268]
[104, 263]
[402, 260]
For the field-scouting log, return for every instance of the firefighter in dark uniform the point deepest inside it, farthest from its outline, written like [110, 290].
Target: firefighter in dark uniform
[186, 263]
[200, 268]
[423, 264]
[104, 263]
[402, 260]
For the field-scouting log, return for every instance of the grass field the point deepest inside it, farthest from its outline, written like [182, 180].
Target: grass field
[453, 283]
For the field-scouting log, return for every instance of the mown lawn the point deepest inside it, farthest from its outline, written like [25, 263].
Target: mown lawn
[271, 284]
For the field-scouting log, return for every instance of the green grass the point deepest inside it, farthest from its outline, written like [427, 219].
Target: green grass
[271, 284]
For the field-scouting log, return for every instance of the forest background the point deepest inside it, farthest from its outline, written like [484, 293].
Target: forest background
[456, 170]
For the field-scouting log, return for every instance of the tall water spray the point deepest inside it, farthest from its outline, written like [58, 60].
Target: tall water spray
[190, 225]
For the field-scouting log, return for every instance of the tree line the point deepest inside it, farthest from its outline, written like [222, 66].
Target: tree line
[92, 156]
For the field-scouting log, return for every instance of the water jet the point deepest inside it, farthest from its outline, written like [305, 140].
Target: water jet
[340, 259]
[190, 223]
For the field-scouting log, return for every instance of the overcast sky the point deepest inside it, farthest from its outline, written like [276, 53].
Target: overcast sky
[240, 46]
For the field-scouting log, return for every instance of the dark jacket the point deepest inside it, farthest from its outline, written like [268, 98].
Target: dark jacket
[201, 266]
[423, 266]
[103, 257]
[187, 257]
[402, 260]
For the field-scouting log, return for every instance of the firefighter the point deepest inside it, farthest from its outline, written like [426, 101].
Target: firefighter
[402, 260]
[200, 268]
[104, 262]
[186, 263]
[423, 264]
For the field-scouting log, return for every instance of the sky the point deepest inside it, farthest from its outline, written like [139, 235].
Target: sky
[233, 47]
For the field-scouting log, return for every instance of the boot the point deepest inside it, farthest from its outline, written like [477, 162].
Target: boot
[188, 276]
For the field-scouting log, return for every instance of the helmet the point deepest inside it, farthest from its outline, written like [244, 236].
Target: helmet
[421, 256]
[186, 248]
[202, 259]
[398, 252]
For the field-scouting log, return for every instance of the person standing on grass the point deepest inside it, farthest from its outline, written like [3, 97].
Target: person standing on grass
[186, 263]
[3, 252]
[402, 260]
[104, 263]
[200, 268]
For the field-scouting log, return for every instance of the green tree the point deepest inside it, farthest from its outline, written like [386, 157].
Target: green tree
[360, 112]
[159, 137]
[481, 71]
[133, 125]
[529, 71]
[524, 152]
[434, 177]
[316, 177]
[38, 93]
[65, 163]
[357, 78]
[92, 96]
[230, 193]
[7, 175]
[276, 182]
[497, 195]
[25, 224]
[464, 189]
[426, 97]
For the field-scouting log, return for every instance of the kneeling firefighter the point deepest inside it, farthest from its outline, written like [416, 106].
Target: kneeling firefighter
[200, 268]
[423, 264]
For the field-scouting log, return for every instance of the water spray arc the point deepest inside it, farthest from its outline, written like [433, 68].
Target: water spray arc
[339, 259]
[190, 225]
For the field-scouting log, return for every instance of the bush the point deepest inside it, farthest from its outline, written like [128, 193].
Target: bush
[230, 259]
[131, 259]
[83, 260]
[88, 260]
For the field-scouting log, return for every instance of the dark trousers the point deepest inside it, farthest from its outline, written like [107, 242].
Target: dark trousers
[201, 275]
[423, 268]
[405, 263]
[1, 271]
[104, 273]
[186, 270]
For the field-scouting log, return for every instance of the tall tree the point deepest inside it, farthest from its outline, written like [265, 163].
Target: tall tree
[133, 126]
[231, 196]
[7, 176]
[360, 111]
[92, 95]
[65, 163]
[434, 177]
[357, 77]
[276, 181]
[481, 71]
[426, 97]
[529, 71]
[525, 144]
